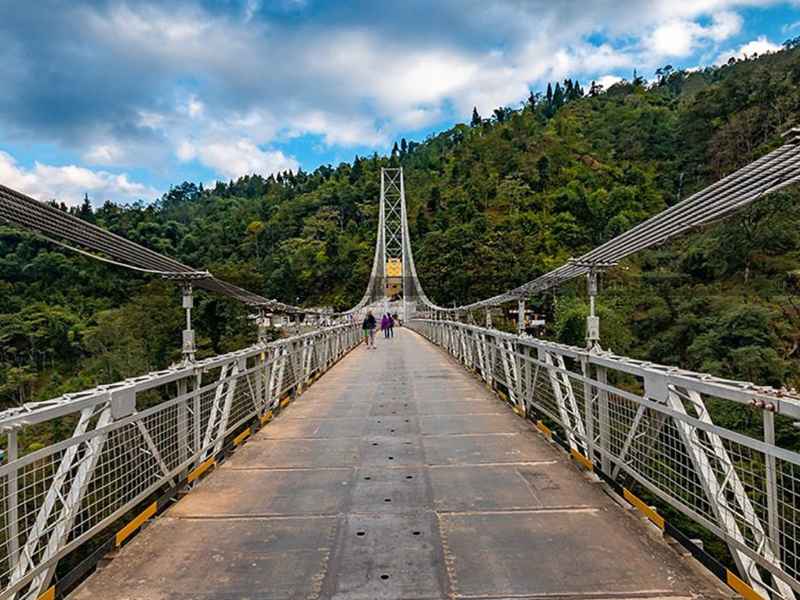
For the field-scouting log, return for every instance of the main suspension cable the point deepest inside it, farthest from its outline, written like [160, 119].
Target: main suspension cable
[77, 235]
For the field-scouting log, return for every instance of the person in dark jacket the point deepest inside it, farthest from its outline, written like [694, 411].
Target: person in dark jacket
[368, 326]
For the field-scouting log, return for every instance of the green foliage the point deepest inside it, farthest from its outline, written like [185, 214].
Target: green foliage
[491, 205]
[570, 324]
[740, 343]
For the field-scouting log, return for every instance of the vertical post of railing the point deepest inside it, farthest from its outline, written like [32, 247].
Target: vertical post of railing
[296, 357]
[592, 321]
[604, 421]
[521, 317]
[301, 375]
[260, 398]
[261, 324]
[528, 396]
[188, 333]
[272, 358]
[490, 352]
[518, 376]
[183, 426]
[773, 519]
[488, 318]
[197, 426]
[13, 499]
[588, 406]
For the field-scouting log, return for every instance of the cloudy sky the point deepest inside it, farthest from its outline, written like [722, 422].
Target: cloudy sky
[120, 100]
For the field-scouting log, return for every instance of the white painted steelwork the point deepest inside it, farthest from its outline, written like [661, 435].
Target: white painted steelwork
[131, 439]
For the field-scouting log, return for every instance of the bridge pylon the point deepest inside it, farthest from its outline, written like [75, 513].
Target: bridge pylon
[392, 287]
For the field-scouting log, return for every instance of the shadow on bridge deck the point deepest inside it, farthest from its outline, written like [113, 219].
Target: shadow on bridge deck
[397, 475]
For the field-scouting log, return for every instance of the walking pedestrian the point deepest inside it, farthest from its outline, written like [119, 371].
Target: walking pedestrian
[391, 326]
[368, 326]
[385, 325]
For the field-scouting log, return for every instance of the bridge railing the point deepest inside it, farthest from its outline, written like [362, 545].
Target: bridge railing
[115, 446]
[635, 421]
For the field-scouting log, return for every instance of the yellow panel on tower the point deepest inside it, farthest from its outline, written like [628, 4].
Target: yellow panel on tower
[394, 267]
[394, 278]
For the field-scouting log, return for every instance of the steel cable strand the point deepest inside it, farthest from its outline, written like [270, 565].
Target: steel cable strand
[604, 253]
[369, 292]
[677, 219]
[21, 210]
[609, 252]
[41, 217]
[412, 267]
[717, 201]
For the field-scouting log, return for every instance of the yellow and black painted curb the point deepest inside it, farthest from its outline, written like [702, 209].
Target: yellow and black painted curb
[153, 507]
[240, 439]
[546, 431]
[200, 469]
[50, 594]
[582, 460]
[266, 417]
[709, 562]
[131, 528]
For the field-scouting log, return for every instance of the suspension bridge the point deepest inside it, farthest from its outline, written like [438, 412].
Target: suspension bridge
[456, 461]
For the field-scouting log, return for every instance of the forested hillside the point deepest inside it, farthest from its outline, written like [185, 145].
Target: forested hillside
[492, 204]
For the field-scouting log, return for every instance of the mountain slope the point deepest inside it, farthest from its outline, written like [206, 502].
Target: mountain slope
[491, 205]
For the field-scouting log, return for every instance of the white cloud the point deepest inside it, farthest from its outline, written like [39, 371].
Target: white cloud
[760, 45]
[675, 38]
[221, 87]
[251, 7]
[104, 154]
[421, 77]
[417, 118]
[194, 107]
[150, 120]
[681, 37]
[608, 80]
[69, 183]
[234, 158]
[185, 151]
[345, 130]
[357, 86]
[725, 25]
[790, 27]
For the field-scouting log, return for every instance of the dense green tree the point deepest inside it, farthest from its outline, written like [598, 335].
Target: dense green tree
[476, 118]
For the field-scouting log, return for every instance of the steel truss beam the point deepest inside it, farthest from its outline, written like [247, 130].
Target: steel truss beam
[62, 502]
[709, 456]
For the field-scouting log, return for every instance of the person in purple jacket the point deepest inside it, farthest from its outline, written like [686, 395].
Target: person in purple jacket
[385, 319]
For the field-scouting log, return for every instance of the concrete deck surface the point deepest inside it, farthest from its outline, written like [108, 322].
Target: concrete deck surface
[397, 475]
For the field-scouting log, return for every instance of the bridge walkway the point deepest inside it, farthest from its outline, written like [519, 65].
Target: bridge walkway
[397, 475]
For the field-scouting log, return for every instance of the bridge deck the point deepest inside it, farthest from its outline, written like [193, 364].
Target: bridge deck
[397, 475]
